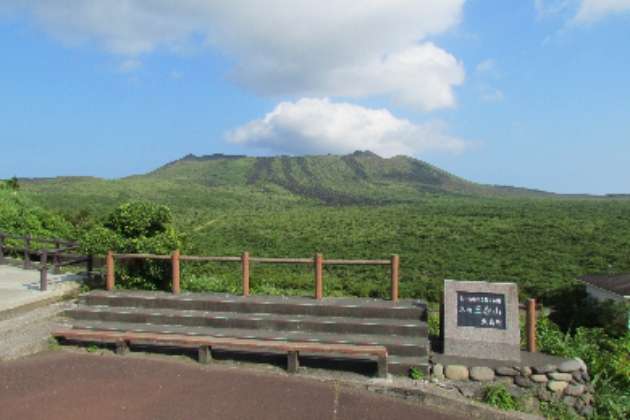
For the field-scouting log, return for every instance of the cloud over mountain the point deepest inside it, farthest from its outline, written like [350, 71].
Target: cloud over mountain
[318, 126]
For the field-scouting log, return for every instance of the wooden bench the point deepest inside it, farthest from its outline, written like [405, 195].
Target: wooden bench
[204, 344]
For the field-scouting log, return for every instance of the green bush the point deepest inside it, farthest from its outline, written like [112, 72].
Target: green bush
[18, 215]
[10, 184]
[133, 228]
[556, 410]
[608, 359]
[498, 396]
[433, 320]
[574, 308]
[416, 374]
[139, 220]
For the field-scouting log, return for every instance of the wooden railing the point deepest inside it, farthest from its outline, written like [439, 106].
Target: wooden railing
[531, 320]
[60, 254]
[318, 262]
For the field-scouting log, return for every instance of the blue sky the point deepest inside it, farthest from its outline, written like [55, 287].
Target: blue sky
[527, 93]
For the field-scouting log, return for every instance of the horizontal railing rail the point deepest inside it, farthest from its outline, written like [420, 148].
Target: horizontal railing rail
[60, 254]
[245, 260]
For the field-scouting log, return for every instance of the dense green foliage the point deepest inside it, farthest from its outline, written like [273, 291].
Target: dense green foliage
[10, 184]
[135, 228]
[608, 358]
[19, 215]
[355, 206]
[542, 245]
[498, 396]
[416, 373]
[227, 182]
[362, 206]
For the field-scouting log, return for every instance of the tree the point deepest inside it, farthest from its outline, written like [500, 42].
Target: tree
[13, 184]
[136, 227]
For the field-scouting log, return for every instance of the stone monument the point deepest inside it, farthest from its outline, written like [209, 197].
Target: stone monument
[481, 320]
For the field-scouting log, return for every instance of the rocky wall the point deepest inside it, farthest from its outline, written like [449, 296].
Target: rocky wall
[568, 382]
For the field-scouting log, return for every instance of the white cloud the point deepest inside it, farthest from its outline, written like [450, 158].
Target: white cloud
[129, 65]
[490, 94]
[488, 69]
[279, 47]
[547, 8]
[318, 126]
[486, 66]
[593, 10]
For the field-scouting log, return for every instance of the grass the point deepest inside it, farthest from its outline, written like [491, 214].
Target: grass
[53, 344]
[92, 348]
[498, 396]
[556, 410]
[416, 374]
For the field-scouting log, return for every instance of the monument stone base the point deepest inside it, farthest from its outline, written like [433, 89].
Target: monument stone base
[482, 350]
[481, 320]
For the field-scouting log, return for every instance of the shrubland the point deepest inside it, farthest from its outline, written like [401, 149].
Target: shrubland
[357, 206]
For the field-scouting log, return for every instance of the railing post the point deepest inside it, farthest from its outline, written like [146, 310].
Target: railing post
[109, 262]
[43, 271]
[175, 267]
[89, 266]
[1, 248]
[245, 267]
[395, 270]
[56, 257]
[27, 251]
[531, 325]
[319, 274]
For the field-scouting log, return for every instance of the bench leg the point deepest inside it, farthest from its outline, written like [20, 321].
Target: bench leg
[122, 347]
[293, 362]
[204, 354]
[382, 367]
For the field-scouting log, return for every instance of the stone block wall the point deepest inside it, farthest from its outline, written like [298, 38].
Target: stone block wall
[568, 381]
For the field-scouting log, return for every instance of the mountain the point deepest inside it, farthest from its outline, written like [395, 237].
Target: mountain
[360, 206]
[360, 178]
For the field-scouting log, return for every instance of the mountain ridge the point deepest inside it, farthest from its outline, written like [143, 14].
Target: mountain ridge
[301, 173]
[228, 181]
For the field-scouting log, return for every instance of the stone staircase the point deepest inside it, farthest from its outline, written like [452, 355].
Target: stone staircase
[400, 327]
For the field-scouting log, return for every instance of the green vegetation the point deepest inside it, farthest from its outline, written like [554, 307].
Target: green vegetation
[498, 396]
[360, 206]
[556, 410]
[11, 184]
[355, 206]
[20, 215]
[223, 182]
[607, 356]
[135, 228]
[92, 348]
[53, 344]
[416, 374]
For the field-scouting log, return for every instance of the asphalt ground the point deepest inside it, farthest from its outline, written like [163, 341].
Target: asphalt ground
[65, 385]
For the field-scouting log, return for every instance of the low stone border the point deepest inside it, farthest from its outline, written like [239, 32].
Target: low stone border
[568, 382]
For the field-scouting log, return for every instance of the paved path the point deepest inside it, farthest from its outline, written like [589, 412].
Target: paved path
[68, 386]
[20, 288]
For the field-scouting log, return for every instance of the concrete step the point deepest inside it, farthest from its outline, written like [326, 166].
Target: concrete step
[267, 321]
[342, 307]
[396, 345]
[400, 365]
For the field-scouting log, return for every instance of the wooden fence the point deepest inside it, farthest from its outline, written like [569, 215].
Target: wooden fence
[245, 261]
[60, 254]
[61, 247]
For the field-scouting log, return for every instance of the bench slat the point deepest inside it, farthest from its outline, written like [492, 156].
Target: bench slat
[184, 340]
